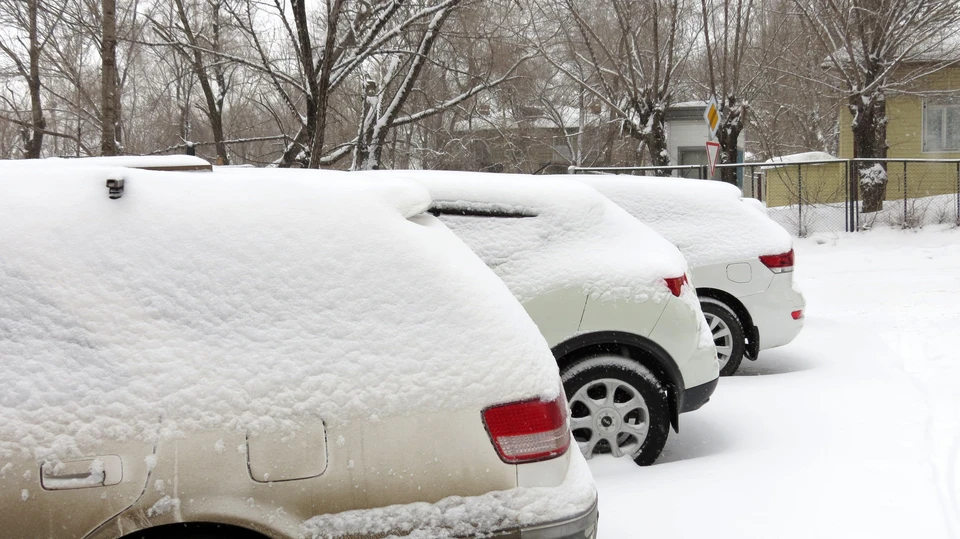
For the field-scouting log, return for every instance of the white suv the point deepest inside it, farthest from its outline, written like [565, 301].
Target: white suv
[245, 355]
[608, 294]
[741, 260]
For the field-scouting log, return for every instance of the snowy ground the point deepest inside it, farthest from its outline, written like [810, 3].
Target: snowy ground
[853, 430]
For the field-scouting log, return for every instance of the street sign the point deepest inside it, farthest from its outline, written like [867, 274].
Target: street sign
[711, 115]
[713, 155]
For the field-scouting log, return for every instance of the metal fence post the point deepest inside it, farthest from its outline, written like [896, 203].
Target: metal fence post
[800, 200]
[855, 181]
[846, 202]
[904, 194]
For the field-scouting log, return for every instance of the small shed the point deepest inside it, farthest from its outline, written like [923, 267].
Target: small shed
[687, 135]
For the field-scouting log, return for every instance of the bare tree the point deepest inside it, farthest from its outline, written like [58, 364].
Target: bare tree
[791, 111]
[30, 25]
[191, 33]
[626, 54]
[877, 48]
[109, 113]
[726, 51]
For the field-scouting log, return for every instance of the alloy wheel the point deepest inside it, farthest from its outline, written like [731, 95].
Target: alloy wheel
[722, 337]
[609, 416]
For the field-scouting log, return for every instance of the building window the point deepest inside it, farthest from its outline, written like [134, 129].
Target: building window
[941, 128]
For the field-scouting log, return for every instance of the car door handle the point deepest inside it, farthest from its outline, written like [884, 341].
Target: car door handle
[83, 473]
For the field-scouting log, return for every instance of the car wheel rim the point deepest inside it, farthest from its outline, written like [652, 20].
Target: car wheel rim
[609, 416]
[722, 338]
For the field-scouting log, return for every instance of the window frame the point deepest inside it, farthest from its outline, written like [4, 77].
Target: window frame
[943, 108]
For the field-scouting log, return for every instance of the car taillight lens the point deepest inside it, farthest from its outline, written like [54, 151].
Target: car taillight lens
[529, 431]
[780, 263]
[675, 284]
[797, 315]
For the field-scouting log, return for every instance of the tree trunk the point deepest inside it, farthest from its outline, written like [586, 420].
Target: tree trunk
[323, 84]
[654, 139]
[214, 104]
[656, 142]
[366, 155]
[108, 88]
[33, 139]
[728, 135]
[870, 141]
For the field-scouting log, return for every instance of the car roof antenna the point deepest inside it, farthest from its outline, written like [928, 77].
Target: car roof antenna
[116, 188]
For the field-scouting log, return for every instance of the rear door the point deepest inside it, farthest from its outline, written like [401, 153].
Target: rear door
[72, 497]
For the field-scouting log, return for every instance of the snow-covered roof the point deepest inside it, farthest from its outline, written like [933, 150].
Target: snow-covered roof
[150, 162]
[577, 239]
[238, 301]
[560, 117]
[689, 104]
[706, 219]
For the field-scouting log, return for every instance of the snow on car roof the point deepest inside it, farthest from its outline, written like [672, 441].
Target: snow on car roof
[151, 162]
[577, 239]
[707, 220]
[232, 301]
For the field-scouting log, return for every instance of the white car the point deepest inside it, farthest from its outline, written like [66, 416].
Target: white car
[741, 260]
[609, 295]
[246, 355]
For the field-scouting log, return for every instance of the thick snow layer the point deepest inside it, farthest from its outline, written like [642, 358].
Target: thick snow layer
[207, 300]
[577, 239]
[466, 516]
[852, 430]
[135, 161]
[873, 175]
[706, 219]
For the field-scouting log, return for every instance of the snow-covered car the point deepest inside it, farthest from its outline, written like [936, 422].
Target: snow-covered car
[741, 260]
[609, 294]
[233, 356]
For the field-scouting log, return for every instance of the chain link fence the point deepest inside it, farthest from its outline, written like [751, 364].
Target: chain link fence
[807, 197]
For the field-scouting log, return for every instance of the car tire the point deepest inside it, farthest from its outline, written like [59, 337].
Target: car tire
[728, 335]
[617, 406]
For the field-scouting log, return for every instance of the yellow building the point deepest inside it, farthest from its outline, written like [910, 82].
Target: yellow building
[924, 124]
[921, 124]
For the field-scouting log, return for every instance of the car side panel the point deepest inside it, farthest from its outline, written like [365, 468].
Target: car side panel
[31, 511]
[678, 332]
[557, 313]
[371, 462]
[638, 318]
[718, 276]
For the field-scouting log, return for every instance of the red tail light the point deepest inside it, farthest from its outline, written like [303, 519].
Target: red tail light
[780, 263]
[529, 431]
[797, 315]
[675, 284]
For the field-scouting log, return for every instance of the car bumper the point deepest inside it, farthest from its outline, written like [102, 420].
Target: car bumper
[580, 497]
[771, 312]
[583, 526]
[697, 396]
